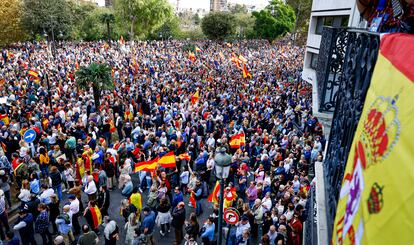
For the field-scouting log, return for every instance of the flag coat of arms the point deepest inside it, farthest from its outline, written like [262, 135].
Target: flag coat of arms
[375, 203]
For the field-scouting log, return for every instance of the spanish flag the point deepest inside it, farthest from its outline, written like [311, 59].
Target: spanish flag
[246, 72]
[236, 60]
[242, 59]
[193, 200]
[168, 160]
[146, 166]
[375, 201]
[112, 127]
[235, 141]
[192, 57]
[33, 73]
[96, 217]
[184, 156]
[198, 50]
[213, 197]
[194, 98]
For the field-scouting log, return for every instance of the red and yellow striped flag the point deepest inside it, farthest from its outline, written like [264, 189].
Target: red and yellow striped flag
[96, 217]
[168, 160]
[213, 197]
[184, 156]
[146, 166]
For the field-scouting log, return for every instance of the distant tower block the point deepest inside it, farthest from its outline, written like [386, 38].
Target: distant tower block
[218, 5]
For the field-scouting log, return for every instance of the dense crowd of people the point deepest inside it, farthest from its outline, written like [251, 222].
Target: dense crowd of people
[83, 153]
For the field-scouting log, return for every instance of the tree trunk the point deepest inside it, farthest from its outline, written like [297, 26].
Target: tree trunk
[96, 97]
[109, 31]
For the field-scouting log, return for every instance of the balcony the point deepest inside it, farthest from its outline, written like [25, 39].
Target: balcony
[346, 62]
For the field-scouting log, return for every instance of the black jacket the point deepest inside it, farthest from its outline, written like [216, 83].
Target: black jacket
[178, 217]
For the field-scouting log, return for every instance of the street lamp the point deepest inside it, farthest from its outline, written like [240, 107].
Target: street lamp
[222, 169]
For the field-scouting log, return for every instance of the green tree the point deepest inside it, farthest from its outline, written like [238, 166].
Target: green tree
[108, 19]
[11, 27]
[218, 25]
[170, 29]
[46, 15]
[144, 16]
[97, 76]
[277, 19]
[303, 10]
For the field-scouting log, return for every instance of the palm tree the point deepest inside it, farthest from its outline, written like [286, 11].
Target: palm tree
[107, 19]
[97, 76]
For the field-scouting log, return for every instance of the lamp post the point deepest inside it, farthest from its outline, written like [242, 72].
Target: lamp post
[222, 169]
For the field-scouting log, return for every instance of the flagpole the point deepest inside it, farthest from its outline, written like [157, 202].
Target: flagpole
[220, 220]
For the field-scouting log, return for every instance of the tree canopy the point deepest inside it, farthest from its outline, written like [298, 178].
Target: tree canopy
[218, 25]
[45, 15]
[11, 29]
[95, 76]
[277, 19]
[143, 16]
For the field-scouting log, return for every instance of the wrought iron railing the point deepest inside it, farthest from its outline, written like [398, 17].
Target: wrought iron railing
[344, 76]
[330, 66]
[310, 229]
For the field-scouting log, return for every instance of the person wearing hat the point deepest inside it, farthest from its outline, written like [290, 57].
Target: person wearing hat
[24, 225]
[4, 222]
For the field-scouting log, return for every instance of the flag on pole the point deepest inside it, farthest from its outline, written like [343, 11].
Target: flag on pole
[168, 160]
[194, 98]
[213, 197]
[146, 166]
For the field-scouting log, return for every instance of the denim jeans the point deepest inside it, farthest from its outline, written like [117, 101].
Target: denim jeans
[58, 191]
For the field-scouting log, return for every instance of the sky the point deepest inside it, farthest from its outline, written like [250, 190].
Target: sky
[205, 4]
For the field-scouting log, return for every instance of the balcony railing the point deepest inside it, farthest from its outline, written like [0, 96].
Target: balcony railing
[346, 62]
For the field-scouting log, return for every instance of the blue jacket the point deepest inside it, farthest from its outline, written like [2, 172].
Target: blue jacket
[128, 189]
[63, 227]
[209, 232]
[149, 222]
[177, 198]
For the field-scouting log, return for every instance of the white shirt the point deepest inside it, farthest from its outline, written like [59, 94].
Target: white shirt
[241, 228]
[74, 206]
[24, 195]
[266, 204]
[211, 142]
[184, 177]
[45, 196]
[90, 188]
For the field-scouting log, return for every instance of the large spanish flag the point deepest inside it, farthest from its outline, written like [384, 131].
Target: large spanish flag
[375, 205]
[96, 217]
[146, 166]
[168, 160]
[246, 73]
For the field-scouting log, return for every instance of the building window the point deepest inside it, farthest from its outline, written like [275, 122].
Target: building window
[335, 21]
[314, 61]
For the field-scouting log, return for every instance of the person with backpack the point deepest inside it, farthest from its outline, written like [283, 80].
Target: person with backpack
[64, 223]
